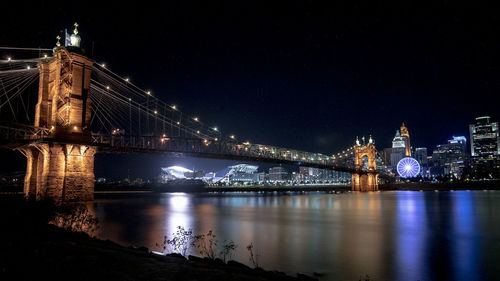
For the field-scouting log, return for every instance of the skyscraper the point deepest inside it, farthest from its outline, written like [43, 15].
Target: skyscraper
[485, 148]
[406, 137]
[398, 149]
[484, 138]
[421, 157]
[451, 157]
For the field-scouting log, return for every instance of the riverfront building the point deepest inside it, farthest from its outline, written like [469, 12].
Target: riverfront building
[485, 148]
[450, 158]
[484, 138]
[278, 174]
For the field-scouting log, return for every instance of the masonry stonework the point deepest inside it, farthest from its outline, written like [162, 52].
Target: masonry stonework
[61, 167]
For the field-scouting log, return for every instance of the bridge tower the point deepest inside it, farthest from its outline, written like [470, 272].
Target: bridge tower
[365, 178]
[61, 167]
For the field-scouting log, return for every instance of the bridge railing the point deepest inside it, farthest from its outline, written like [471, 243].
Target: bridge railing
[222, 149]
[205, 146]
[19, 132]
[198, 146]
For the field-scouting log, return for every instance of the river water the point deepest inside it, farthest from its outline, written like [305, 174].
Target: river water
[389, 235]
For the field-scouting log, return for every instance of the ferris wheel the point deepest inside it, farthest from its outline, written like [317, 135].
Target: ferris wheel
[408, 167]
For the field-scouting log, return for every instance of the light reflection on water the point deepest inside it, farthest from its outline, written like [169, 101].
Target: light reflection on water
[401, 235]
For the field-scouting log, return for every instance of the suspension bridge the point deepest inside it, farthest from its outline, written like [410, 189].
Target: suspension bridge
[82, 107]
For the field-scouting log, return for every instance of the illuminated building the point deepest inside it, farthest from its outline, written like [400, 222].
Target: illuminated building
[309, 175]
[422, 158]
[450, 158]
[237, 173]
[174, 173]
[406, 138]
[398, 150]
[485, 148]
[278, 174]
[484, 137]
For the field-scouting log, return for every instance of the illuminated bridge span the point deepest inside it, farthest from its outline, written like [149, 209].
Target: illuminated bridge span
[83, 107]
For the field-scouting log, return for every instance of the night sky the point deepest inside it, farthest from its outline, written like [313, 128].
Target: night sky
[290, 74]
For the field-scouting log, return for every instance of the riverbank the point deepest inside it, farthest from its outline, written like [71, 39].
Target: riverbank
[469, 185]
[31, 249]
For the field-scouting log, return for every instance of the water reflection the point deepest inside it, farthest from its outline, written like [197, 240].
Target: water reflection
[387, 235]
[410, 232]
[177, 213]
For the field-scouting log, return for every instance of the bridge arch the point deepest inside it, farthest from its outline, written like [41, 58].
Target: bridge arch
[365, 178]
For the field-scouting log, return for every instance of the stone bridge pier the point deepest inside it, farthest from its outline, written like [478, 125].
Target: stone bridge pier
[59, 167]
[58, 171]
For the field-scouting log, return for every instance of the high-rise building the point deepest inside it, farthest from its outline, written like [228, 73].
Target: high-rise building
[459, 141]
[406, 138]
[484, 138]
[485, 148]
[398, 150]
[386, 156]
[421, 155]
[451, 157]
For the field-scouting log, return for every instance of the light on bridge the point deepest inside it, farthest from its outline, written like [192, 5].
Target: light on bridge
[127, 79]
[174, 107]
[45, 56]
[9, 59]
[149, 93]
[195, 119]
[156, 111]
[178, 123]
[28, 67]
[232, 137]
[107, 87]
[215, 129]
[103, 65]
[198, 132]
